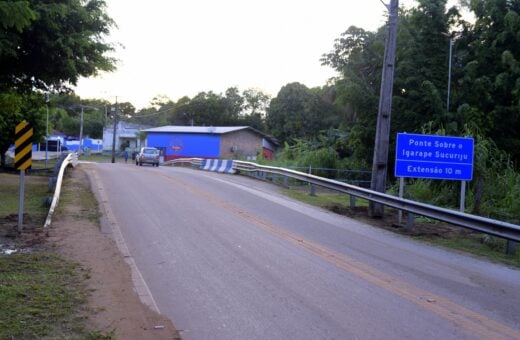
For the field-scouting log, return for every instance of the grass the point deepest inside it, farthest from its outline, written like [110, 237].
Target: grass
[51, 163]
[42, 295]
[39, 294]
[86, 201]
[491, 248]
[36, 189]
[102, 158]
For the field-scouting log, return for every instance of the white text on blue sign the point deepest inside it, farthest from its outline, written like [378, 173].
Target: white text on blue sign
[436, 157]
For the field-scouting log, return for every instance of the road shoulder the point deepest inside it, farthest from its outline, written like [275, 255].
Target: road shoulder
[113, 297]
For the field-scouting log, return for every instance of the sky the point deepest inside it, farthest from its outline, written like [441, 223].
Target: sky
[177, 48]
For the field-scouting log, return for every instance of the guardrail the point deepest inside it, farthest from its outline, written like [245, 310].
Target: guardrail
[489, 226]
[71, 159]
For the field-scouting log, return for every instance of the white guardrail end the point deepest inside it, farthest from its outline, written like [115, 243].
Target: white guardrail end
[72, 158]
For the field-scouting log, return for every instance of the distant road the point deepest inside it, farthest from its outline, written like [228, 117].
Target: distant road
[228, 257]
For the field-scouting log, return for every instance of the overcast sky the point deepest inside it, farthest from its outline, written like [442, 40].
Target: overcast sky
[182, 47]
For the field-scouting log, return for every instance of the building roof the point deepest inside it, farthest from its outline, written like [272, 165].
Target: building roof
[220, 130]
[197, 129]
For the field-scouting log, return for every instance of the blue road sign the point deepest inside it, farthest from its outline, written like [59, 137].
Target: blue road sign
[436, 157]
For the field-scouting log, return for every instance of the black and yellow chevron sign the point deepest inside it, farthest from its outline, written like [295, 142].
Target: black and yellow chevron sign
[23, 145]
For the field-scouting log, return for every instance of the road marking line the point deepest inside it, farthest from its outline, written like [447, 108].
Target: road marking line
[471, 321]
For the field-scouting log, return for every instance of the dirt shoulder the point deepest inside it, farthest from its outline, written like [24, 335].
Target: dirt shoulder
[75, 233]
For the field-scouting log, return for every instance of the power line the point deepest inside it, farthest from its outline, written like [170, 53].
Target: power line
[155, 113]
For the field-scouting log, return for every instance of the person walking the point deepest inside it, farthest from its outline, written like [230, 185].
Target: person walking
[126, 156]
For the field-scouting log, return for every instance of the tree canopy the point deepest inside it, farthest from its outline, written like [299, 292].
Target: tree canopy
[46, 46]
[298, 111]
[485, 82]
[209, 109]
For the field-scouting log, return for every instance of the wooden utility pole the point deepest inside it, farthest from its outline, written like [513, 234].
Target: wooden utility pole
[380, 162]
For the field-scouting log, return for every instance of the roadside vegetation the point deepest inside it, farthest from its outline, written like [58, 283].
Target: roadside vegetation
[42, 294]
[36, 190]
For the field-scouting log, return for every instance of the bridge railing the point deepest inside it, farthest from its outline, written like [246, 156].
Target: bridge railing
[489, 226]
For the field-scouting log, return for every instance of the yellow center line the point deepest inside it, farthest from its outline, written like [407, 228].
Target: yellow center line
[471, 321]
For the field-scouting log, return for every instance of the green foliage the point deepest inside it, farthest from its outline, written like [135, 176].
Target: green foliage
[330, 151]
[207, 109]
[36, 190]
[15, 14]
[50, 44]
[47, 46]
[14, 108]
[297, 112]
[491, 79]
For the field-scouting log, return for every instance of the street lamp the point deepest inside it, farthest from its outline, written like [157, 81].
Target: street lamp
[452, 37]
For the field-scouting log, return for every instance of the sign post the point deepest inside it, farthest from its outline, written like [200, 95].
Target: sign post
[22, 160]
[435, 157]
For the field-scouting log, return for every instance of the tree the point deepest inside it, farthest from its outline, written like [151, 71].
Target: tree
[254, 110]
[234, 103]
[357, 57]
[53, 43]
[14, 108]
[422, 66]
[297, 112]
[420, 76]
[490, 91]
[17, 15]
[46, 46]
[256, 102]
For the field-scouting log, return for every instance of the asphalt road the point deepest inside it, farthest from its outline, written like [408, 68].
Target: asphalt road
[228, 257]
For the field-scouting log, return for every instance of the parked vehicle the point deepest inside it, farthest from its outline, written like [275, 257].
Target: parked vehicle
[148, 156]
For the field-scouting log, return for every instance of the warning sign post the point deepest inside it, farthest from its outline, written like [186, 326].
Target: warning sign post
[22, 160]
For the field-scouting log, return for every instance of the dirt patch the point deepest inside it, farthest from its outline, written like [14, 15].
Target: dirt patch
[115, 307]
[31, 237]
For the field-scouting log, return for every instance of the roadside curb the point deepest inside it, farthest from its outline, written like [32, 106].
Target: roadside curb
[109, 225]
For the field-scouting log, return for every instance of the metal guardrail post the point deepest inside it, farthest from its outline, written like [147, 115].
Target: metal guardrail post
[401, 194]
[352, 201]
[511, 247]
[410, 221]
[312, 190]
[286, 181]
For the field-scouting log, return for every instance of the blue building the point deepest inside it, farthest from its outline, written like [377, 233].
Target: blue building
[229, 142]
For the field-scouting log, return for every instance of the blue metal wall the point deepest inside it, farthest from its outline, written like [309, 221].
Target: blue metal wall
[185, 144]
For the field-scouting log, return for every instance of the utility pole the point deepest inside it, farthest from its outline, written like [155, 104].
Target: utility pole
[46, 130]
[380, 161]
[114, 136]
[81, 131]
